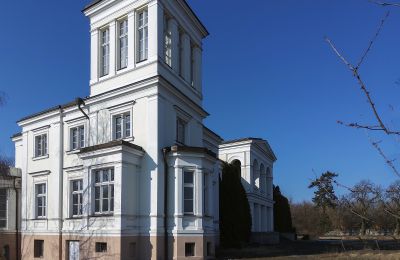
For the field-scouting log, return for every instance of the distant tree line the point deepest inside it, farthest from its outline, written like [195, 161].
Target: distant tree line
[366, 209]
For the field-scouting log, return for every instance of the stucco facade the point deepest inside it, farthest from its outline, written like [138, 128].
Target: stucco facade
[129, 172]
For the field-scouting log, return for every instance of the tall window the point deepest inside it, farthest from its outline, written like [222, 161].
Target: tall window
[206, 195]
[104, 191]
[167, 42]
[188, 192]
[77, 197]
[105, 52]
[77, 137]
[192, 67]
[40, 145]
[180, 131]
[3, 208]
[123, 44]
[143, 35]
[181, 54]
[122, 126]
[40, 190]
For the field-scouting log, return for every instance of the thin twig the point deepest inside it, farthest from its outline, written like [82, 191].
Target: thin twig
[388, 162]
[373, 39]
[385, 3]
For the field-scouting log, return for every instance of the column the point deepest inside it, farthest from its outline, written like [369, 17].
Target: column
[197, 59]
[131, 40]
[112, 47]
[178, 198]
[156, 31]
[94, 56]
[173, 27]
[186, 57]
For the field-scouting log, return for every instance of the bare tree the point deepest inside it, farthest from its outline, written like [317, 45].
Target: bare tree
[363, 197]
[391, 204]
[5, 164]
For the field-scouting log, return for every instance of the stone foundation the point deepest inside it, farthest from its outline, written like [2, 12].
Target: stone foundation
[10, 240]
[126, 247]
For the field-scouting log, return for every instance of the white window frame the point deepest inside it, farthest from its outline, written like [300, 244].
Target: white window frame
[44, 145]
[142, 31]
[189, 186]
[104, 55]
[42, 196]
[79, 194]
[101, 185]
[123, 43]
[81, 143]
[125, 132]
[5, 219]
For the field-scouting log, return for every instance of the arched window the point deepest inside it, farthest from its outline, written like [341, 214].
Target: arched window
[238, 166]
[269, 183]
[256, 174]
[263, 178]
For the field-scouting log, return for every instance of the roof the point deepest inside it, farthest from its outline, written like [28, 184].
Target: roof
[212, 132]
[191, 149]
[69, 104]
[242, 140]
[95, 2]
[109, 145]
[258, 141]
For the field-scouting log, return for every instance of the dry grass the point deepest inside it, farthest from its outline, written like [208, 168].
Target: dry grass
[367, 255]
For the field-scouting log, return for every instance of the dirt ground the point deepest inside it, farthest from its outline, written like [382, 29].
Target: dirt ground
[327, 249]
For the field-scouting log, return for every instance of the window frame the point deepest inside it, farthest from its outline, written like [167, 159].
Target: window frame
[187, 185]
[5, 219]
[110, 184]
[79, 194]
[122, 38]
[184, 125]
[81, 133]
[104, 51]
[42, 196]
[142, 30]
[124, 124]
[44, 142]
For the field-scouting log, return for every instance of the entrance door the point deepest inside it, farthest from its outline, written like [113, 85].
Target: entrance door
[73, 250]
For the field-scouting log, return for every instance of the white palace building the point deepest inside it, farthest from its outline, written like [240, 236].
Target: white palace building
[131, 172]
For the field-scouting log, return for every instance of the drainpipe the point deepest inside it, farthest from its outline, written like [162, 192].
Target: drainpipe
[16, 219]
[61, 182]
[165, 151]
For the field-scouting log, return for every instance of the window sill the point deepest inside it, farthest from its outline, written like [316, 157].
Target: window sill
[141, 61]
[75, 151]
[40, 157]
[100, 215]
[126, 139]
[75, 218]
[40, 219]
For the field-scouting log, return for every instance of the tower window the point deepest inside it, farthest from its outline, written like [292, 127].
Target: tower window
[123, 44]
[105, 52]
[143, 34]
[167, 42]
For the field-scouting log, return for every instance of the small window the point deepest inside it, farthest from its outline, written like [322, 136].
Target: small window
[188, 192]
[104, 52]
[38, 248]
[77, 137]
[123, 44]
[41, 145]
[189, 249]
[104, 191]
[3, 208]
[132, 250]
[143, 35]
[77, 197]
[40, 190]
[6, 252]
[122, 126]
[101, 247]
[180, 131]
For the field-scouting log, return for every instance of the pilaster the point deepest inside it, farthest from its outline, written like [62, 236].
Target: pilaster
[112, 47]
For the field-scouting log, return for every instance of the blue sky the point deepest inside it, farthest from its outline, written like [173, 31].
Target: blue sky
[267, 73]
